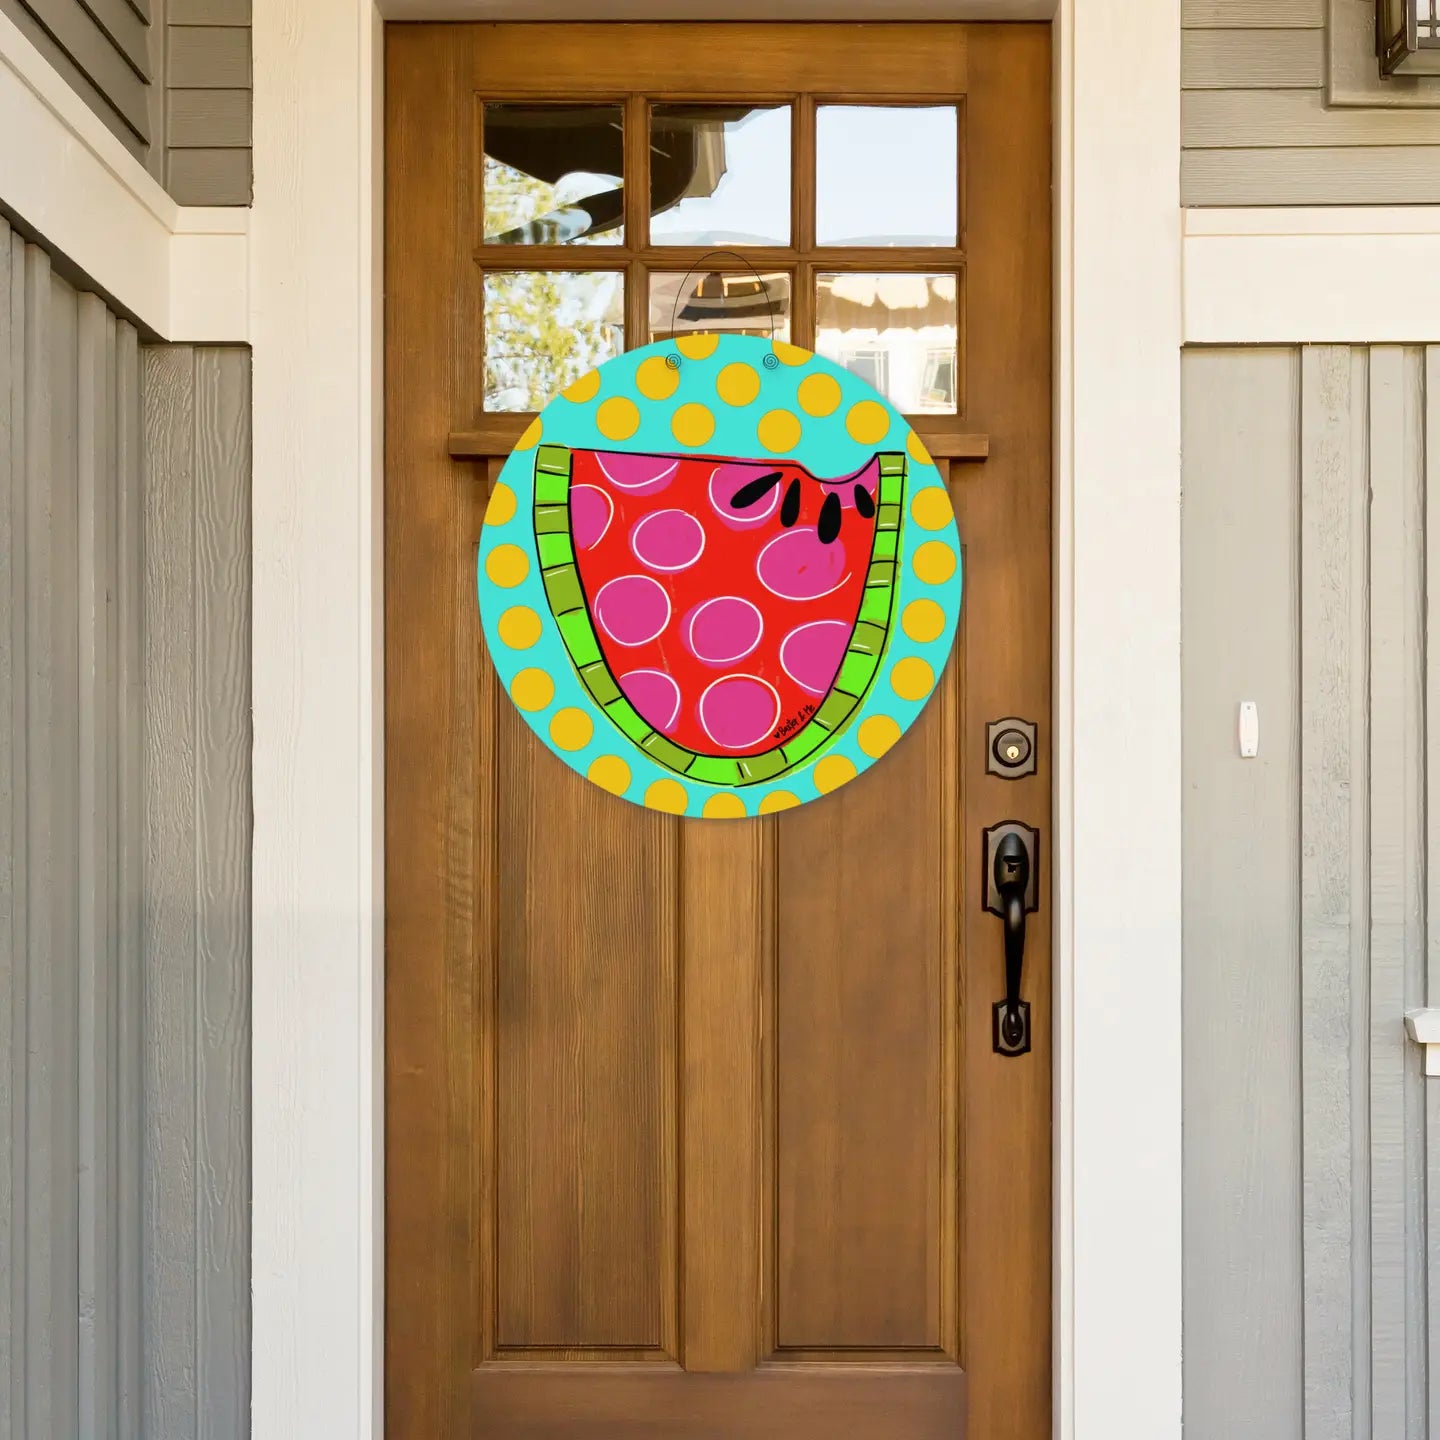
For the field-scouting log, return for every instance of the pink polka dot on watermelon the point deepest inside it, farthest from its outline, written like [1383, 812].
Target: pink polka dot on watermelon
[810, 654]
[655, 695]
[637, 474]
[632, 609]
[738, 711]
[667, 540]
[725, 480]
[723, 630]
[796, 566]
[590, 512]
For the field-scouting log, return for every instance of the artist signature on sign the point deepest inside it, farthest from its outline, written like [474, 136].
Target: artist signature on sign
[793, 723]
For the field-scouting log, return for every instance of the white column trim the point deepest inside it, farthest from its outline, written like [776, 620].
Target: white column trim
[1340, 275]
[1117, 722]
[179, 271]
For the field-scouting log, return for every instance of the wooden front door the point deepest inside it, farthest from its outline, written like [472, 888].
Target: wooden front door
[696, 1128]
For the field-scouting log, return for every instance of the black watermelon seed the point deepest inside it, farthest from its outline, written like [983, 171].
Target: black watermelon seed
[863, 503]
[790, 505]
[754, 490]
[829, 526]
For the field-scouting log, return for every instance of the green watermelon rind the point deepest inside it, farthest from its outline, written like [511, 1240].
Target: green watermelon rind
[862, 662]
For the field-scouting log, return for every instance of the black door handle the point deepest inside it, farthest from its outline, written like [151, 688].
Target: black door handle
[1011, 855]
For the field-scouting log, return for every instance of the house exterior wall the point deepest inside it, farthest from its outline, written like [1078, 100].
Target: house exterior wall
[1257, 125]
[171, 78]
[1311, 1138]
[124, 872]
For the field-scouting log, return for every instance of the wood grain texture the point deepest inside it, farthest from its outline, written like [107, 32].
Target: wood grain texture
[1241, 1005]
[208, 119]
[208, 57]
[1397, 897]
[1334, 679]
[222, 743]
[1252, 59]
[1253, 14]
[777, 1400]
[209, 176]
[1291, 119]
[1357, 175]
[706, 1012]
[196, 730]
[14, 942]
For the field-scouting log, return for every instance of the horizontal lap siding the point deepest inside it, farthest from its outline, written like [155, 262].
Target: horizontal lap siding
[1255, 128]
[124, 873]
[103, 48]
[208, 102]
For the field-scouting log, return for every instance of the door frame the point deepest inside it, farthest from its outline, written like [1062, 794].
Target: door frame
[317, 1066]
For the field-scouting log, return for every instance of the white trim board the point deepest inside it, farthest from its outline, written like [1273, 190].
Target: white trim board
[181, 272]
[1281, 276]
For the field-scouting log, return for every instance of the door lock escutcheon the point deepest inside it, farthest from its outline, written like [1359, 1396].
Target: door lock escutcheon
[1012, 891]
[1010, 748]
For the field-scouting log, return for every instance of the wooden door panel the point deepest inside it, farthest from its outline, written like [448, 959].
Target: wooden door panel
[584, 964]
[694, 1129]
[864, 1031]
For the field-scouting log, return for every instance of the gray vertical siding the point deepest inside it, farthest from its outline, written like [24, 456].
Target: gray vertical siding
[171, 78]
[124, 873]
[1311, 1135]
[1257, 123]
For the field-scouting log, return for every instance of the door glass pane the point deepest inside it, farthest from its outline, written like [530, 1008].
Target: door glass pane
[545, 329]
[553, 174]
[720, 175]
[896, 331]
[886, 175]
[733, 301]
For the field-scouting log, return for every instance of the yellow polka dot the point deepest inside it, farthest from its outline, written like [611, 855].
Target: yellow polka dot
[724, 807]
[867, 422]
[819, 394]
[531, 438]
[776, 801]
[791, 354]
[656, 380]
[587, 387]
[934, 562]
[779, 430]
[507, 565]
[923, 620]
[877, 734]
[666, 795]
[697, 346]
[912, 678]
[692, 424]
[532, 689]
[617, 418]
[737, 384]
[571, 729]
[610, 773]
[931, 508]
[918, 453]
[501, 509]
[519, 627]
[832, 772]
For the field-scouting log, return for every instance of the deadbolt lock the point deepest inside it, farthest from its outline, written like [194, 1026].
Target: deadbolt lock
[1011, 748]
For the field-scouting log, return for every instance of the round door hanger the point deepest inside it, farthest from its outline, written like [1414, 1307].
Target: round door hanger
[719, 576]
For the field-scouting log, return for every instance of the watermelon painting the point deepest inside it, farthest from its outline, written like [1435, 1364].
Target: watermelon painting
[719, 577]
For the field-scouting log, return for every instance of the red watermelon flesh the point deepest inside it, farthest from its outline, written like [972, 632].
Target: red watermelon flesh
[723, 592]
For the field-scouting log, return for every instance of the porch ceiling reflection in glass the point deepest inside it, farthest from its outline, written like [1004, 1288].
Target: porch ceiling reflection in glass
[720, 174]
[554, 174]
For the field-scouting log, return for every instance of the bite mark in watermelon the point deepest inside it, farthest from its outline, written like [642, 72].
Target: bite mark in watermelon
[728, 615]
